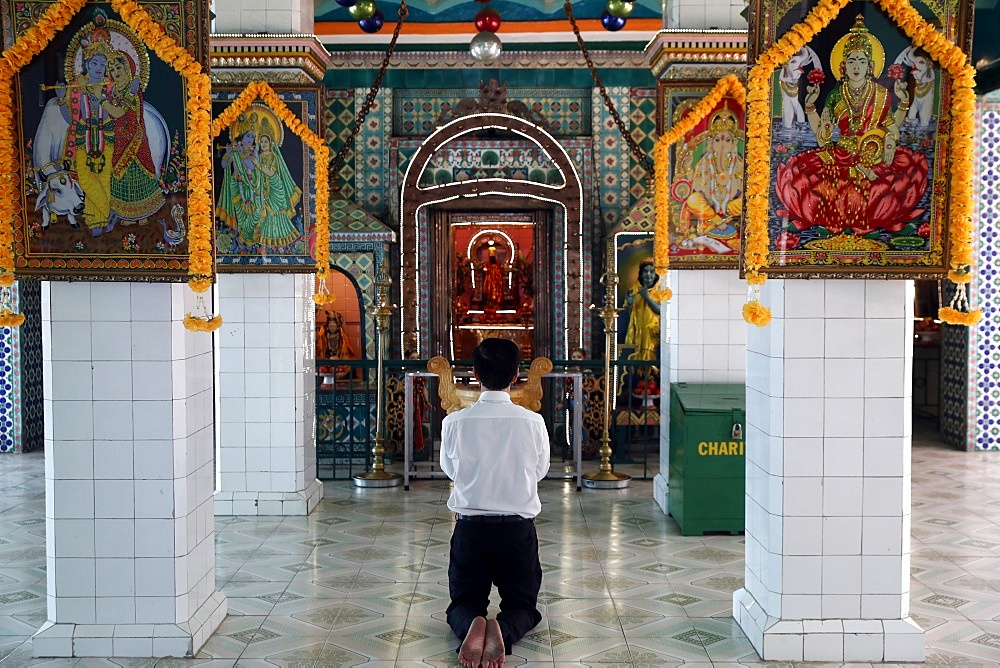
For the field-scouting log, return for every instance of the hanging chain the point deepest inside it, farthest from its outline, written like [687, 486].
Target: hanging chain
[626, 135]
[338, 161]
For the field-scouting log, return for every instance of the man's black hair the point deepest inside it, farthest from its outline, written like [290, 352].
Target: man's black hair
[495, 362]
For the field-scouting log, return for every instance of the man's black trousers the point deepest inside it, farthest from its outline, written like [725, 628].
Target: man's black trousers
[486, 552]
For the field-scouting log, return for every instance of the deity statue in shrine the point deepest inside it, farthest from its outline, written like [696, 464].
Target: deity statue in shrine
[492, 280]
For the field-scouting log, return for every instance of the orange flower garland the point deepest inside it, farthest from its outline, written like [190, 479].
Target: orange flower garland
[263, 90]
[944, 52]
[25, 47]
[755, 253]
[727, 86]
[963, 130]
[201, 258]
[30, 44]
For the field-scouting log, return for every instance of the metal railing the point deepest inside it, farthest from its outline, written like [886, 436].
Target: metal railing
[346, 404]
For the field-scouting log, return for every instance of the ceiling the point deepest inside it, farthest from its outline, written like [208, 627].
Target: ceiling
[448, 23]
[439, 22]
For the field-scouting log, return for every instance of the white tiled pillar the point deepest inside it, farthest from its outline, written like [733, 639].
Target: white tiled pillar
[705, 342]
[698, 14]
[828, 474]
[267, 454]
[276, 17]
[130, 539]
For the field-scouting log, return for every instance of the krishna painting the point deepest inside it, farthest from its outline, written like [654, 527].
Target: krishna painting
[858, 169]
[264, 207]
[101, 134]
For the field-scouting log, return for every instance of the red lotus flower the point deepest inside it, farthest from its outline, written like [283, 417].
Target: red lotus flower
[924, 230]
[897, 71]
[816, 76]
[786, 241]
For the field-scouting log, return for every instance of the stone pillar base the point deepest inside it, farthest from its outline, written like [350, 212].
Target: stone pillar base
[834, 640]
[131, 640]
[661, 493]
[270, 503]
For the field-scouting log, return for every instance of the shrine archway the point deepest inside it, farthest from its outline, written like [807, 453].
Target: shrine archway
[549, 198]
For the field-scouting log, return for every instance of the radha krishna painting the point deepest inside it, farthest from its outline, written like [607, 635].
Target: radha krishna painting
[104, 176]
[263, 203]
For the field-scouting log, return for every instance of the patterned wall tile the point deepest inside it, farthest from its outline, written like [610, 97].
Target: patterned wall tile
[21, 408]
[612, 154]
[984, 339]
[642, 114]
[372, 143]
[416, 110]
[32, 407]
[339, 121]
[955, 389]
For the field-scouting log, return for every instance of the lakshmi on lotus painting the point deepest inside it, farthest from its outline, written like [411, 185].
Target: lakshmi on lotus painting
[863, 181]
[855, 182]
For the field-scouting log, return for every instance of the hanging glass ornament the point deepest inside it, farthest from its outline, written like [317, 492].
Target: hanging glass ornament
[362, 9]
[488, 19]
[485, 47]
[373, 23]
[620, 8]
[612, 23]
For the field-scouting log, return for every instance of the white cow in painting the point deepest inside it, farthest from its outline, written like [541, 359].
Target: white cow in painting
[59, 193]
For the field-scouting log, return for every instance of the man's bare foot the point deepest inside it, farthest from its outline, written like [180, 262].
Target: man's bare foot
[493, 649]
[471, 652]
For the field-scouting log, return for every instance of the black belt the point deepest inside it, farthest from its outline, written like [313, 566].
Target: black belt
[492, 518]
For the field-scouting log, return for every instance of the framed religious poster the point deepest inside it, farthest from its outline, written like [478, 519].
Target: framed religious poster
[99, 135]
[265, 191]
[639, 319]
[705, 184]
[859, 123]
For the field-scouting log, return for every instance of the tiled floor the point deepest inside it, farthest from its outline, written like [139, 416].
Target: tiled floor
[363, 579]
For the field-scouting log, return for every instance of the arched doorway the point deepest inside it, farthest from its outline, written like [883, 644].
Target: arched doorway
[532, 215]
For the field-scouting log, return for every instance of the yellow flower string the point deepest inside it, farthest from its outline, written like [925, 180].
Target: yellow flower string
[727, 86]
[758, 150]
[951, 58]
[963, 130]
[263, 90]
[201, 258]
[28, 45]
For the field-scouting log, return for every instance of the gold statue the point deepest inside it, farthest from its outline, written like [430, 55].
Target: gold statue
[452, 398]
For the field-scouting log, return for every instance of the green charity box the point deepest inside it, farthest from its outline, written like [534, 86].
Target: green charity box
[707, 463]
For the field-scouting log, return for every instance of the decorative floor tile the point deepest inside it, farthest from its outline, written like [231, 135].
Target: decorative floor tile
[363, 580]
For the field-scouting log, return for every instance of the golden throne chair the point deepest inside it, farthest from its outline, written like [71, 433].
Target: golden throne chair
[453, 398]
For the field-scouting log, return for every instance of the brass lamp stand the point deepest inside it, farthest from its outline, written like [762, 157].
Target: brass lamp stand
[381, 310]
[605, 478]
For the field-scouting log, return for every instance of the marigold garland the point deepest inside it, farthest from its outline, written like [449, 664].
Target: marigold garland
[9, 318]
[28, 45]
[727, 86]
[263, 91]
[756, 313]
[200, 324]
[953, 316]
[201, 258]
[963, 130]
[661, 296]
[945, 53]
